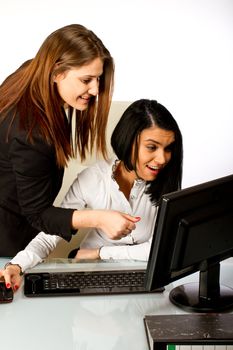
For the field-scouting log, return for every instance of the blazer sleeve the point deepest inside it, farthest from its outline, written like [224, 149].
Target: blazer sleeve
[35, 170]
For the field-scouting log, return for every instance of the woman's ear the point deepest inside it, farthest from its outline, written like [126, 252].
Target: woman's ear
[56, 75]
[56, 78]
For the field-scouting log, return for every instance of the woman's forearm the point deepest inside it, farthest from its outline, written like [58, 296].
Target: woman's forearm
[129, 252]
[37, 250]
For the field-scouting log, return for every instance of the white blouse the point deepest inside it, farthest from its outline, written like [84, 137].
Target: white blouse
[96, 188]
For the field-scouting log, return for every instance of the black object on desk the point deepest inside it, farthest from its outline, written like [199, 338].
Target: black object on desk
[193, 233]
[85, 283]
[188, 329]
[6, 294]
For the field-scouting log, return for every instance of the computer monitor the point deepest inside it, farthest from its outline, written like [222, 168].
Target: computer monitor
[194, 232]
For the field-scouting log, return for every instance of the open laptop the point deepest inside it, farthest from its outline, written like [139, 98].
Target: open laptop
[63, 277]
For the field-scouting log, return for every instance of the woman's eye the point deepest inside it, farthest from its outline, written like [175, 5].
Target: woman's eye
[151, 147]
[87, 81]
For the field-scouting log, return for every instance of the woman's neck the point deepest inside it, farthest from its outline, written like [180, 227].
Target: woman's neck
[124, 178]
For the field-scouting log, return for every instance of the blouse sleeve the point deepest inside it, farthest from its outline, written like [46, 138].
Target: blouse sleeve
[130, 252]
[37, 250]
[37, 185]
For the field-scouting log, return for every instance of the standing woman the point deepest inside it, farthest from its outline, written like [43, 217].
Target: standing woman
[71, 71]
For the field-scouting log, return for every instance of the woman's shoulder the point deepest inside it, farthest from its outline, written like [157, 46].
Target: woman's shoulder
[101, 167]
[100, 171]
[105, 165]
[17, 136]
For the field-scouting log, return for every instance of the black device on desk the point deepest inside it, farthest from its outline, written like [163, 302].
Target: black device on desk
[59, 283]
[6, 294]
[194, 232]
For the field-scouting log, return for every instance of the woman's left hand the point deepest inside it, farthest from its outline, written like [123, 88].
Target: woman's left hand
[88, 254]
[11, 275]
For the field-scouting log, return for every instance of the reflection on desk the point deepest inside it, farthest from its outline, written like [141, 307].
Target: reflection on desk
[93, 322]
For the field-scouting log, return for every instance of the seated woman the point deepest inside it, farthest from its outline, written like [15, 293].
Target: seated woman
[147, 144]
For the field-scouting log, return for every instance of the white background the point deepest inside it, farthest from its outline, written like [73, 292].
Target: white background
[179, 52]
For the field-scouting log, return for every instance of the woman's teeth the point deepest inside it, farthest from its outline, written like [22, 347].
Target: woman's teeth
[153, 167]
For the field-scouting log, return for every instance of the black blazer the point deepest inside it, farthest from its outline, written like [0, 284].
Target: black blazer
[29, 182]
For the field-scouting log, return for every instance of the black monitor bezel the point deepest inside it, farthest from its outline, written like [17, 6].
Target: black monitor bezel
[159, 272]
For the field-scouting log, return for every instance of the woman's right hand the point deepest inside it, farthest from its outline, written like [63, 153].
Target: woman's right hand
[12, 277]
[114, 224]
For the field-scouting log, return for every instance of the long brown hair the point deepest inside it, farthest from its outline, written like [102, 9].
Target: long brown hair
[30, 92]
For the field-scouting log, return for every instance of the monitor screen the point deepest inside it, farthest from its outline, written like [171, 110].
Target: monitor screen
[194, 232]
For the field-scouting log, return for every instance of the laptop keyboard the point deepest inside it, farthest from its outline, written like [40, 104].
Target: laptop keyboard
[93, 282]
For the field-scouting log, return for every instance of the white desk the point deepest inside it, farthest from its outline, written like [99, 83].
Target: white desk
[85, 323]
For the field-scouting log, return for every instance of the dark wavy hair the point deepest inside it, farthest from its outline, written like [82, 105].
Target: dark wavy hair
[143, 114]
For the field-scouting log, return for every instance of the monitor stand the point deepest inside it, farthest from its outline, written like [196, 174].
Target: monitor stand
[207, 295]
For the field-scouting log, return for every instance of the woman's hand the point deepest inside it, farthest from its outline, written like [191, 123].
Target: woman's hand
[12, 277]
[89, 254]
[114, 224]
